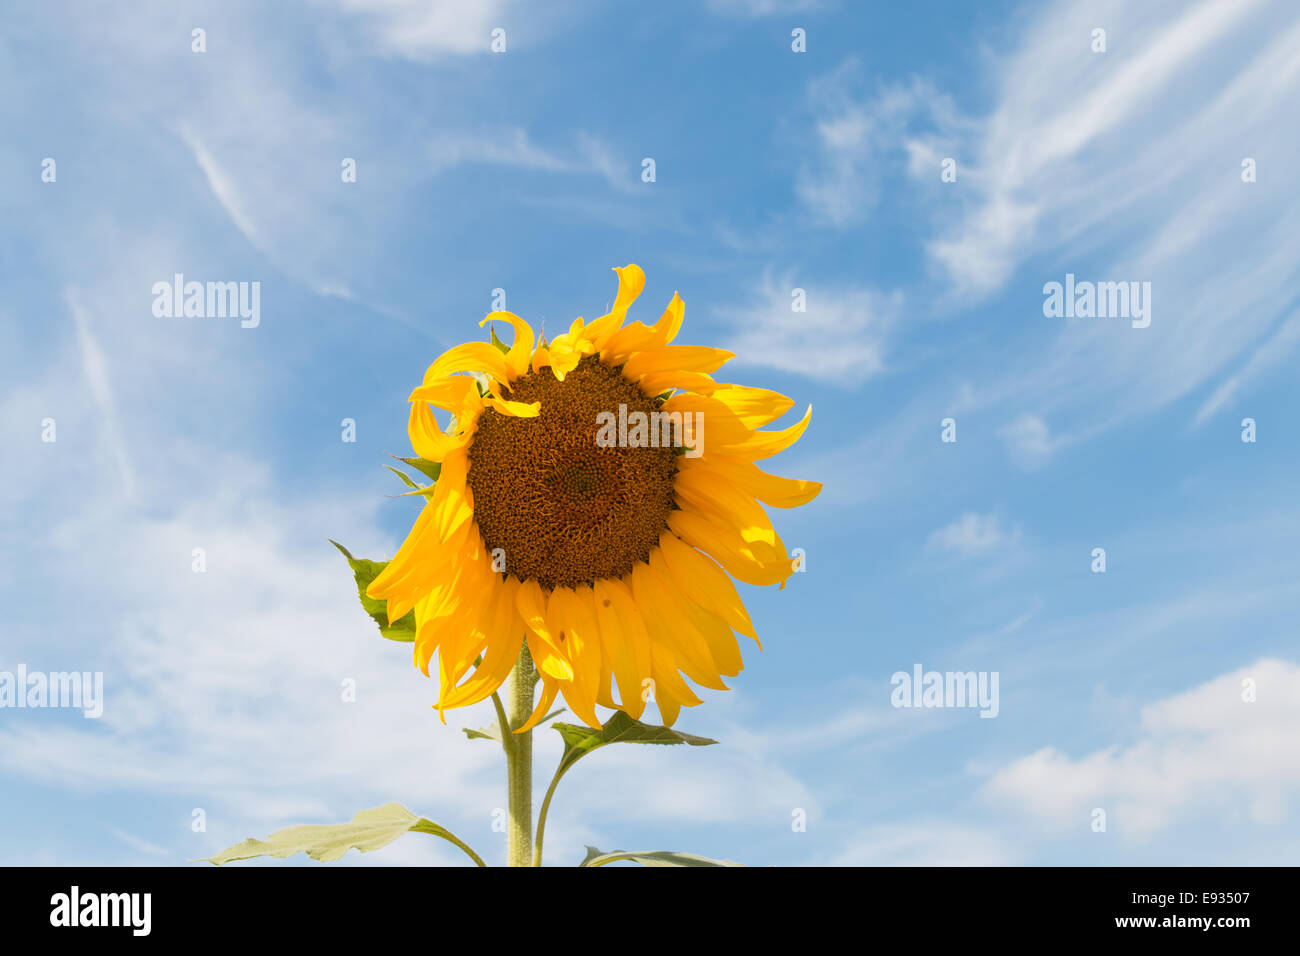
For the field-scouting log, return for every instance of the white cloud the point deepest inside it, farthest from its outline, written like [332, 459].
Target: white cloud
[760, 8]
[426, 29]
[841, 337]
[97, 380]
[857, 139]
[514, 147]
[1124, 151]
[1115, 166]
[1028, 439]
[973, 534]
[1204, 750]
[925, 843]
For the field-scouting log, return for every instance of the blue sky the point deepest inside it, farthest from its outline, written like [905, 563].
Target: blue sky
[775, 170]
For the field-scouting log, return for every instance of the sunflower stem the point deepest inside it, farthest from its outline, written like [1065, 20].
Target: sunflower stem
[519, 764]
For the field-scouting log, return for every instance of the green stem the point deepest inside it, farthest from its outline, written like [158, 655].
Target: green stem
[541, 816]
[452, 838]
[519, 763]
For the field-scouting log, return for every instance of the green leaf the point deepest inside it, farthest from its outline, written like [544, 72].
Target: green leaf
[406, 479]
[651, 858]
[365, 571]
[581, 740]
[501, 346]
[368, 830]
[430, 469]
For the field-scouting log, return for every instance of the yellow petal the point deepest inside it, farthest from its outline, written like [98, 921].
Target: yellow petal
[624, 642]
[575, 623]
[514, 409]
[748, 477]
[470, 357]
[726, 434]
[550, 687]
[705, 583]
[670, 627]
[639, 337]
[676, 358]
[728, 503]
[452, 392]
[521, 349]
[755, 407]
[726, 547]
[656, 383]
[631, 280]
[428, 440]
[547, 652]
[505, 634]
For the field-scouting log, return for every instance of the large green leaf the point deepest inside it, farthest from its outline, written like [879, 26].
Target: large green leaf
[368, 830]
[581, 740]
[651, 858]
[365, 571]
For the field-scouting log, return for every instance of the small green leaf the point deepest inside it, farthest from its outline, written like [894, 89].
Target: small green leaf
[406, 479]
[368, 830]
[651, 858]
[493, 731]
[581, 740]
[365, 571]
[496, 341]
[431, 469]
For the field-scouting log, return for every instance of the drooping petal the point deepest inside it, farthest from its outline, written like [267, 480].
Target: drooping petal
[470, 357]
[428, 440]
[550, 687]
[548, 654]
[575, 624]
[505, 636]
[705, 583]
[669, 626]
[521, 350]
[625, 642]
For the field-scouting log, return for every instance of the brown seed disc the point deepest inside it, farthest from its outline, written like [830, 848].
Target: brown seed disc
[564, 510]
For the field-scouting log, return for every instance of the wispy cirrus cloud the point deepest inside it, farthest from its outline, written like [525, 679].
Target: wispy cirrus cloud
[428, 29]
[841, 334]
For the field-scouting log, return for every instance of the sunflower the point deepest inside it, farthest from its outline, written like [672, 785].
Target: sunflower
[612, 559]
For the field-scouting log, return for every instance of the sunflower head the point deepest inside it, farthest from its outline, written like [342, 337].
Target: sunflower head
[597, 495]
